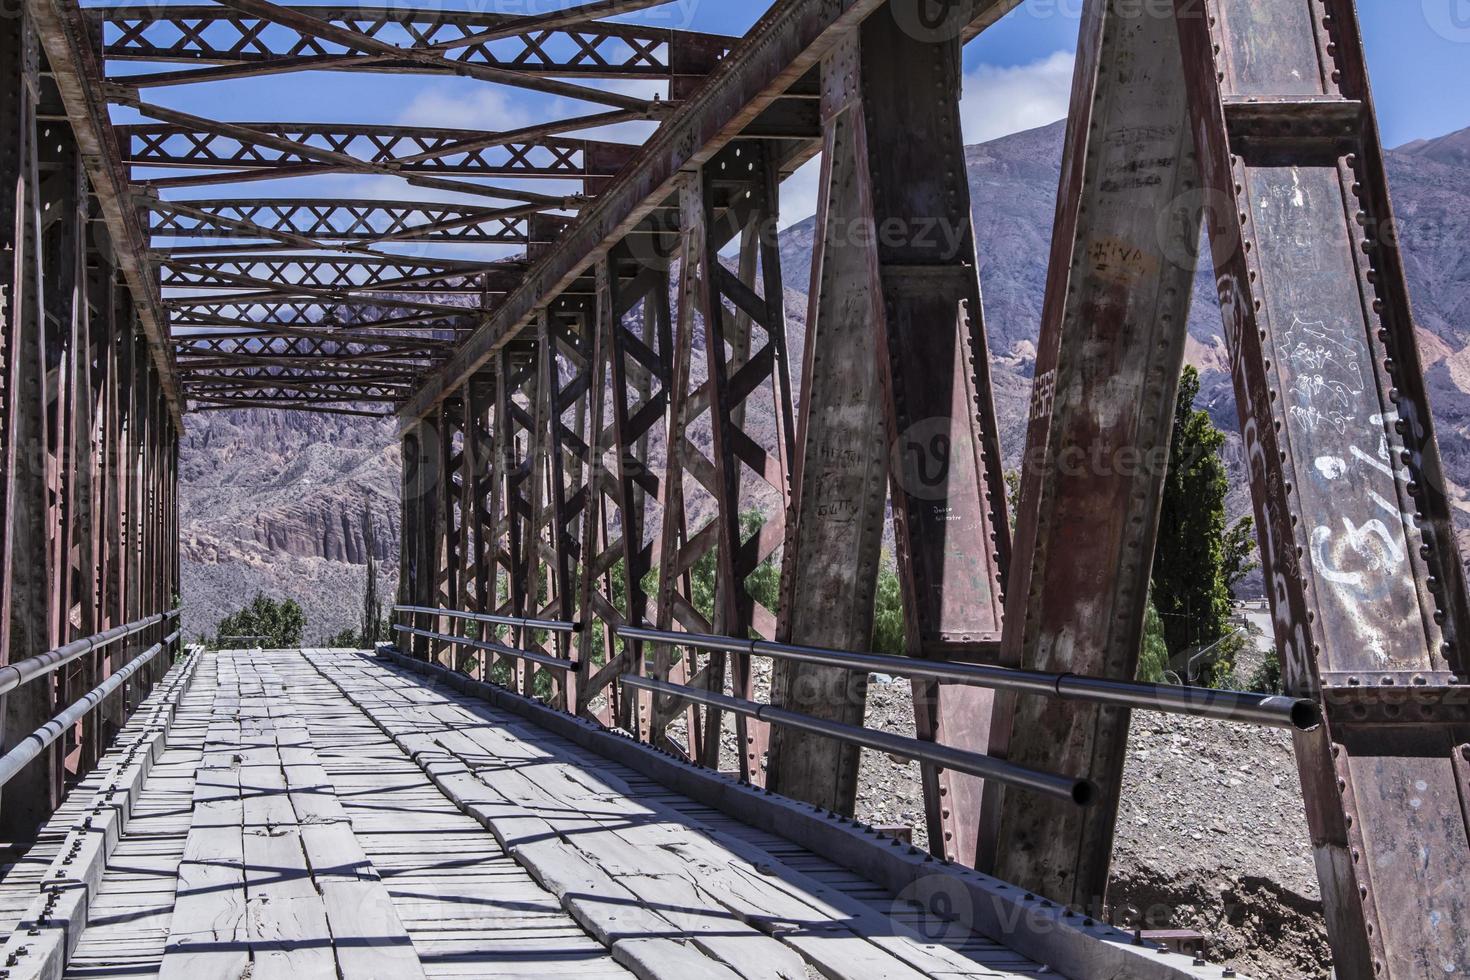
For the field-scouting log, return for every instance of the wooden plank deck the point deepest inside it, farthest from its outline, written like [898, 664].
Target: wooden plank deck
[129, 925]
[322, 814]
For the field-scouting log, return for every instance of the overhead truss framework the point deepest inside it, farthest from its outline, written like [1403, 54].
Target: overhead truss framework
[338, 300]
[591, 419]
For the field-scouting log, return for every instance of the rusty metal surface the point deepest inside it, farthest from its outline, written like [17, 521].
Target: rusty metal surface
[86, 414]
[781, 49]
[76, 68]
[951, 530]
[830, 563]
[1102, 411]
[1359, 553]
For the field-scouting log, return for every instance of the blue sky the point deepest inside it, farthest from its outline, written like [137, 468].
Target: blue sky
[1418, 53]
[1018, 75]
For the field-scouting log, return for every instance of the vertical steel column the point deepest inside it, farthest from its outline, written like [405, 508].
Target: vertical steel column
[1107, 372]
[566, 343]
[497, 526]
[505, 490]
[88, 330]
[445, 529]
[119, 353]
[407, 525]
[732, 305]
[840, 485]
[477, 558]
[518, 424]
[31, 796]
[113, 314]
[905, 205]
[419, 555]
[1358, 547]
[158, 594]
[539, 530]
[597, 693]
[63, 231]
[686, 469]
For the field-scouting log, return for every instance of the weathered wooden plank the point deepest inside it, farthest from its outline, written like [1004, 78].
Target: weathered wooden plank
[580, 835]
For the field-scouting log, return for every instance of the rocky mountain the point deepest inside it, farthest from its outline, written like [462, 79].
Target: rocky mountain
[275, 500]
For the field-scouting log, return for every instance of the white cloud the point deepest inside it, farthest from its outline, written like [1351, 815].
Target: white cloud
[799, 193]
[489, 108]
[998, 101]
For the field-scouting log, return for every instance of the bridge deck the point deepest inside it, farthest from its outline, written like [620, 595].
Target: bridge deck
[319, 813]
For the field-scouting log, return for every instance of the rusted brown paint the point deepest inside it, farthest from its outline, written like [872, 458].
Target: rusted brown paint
[840, 485]
[88, 507]
[950, 527]
[1107, 372]
[30, 797]
[1358, 549]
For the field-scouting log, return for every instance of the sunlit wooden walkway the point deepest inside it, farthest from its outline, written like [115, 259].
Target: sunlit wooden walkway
[315, 813]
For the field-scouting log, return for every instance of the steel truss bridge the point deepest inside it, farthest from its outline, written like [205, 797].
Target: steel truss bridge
[567, 761]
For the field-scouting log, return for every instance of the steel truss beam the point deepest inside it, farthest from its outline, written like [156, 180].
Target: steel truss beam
[219, 36]
[792, 37]
[898, 359]
[632, 368]
[312, 221]
[406, 149]
[1108, 364]
[1366, 580]
[587, 437]
[87, 444]
[1364, 574]
[270, 315]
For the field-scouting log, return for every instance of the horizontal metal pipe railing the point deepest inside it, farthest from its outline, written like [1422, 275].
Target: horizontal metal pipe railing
[35, 743]
[1273, 710]
[24, 671]
[545, 660]
[550, 625]
[1078, 791]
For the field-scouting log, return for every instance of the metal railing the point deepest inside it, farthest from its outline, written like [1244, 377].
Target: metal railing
[1272, 710]
[1276, 711]
[1078, 791]
[490, 646]
[550, 625]
[14, 675]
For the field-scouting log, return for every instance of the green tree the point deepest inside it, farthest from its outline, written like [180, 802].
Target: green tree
[1153, 658]
[1013, 495]
[348, 639]
[1239, 555]
[888, 632]
[1267, 678]
[1197, 560]
[277, 624]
